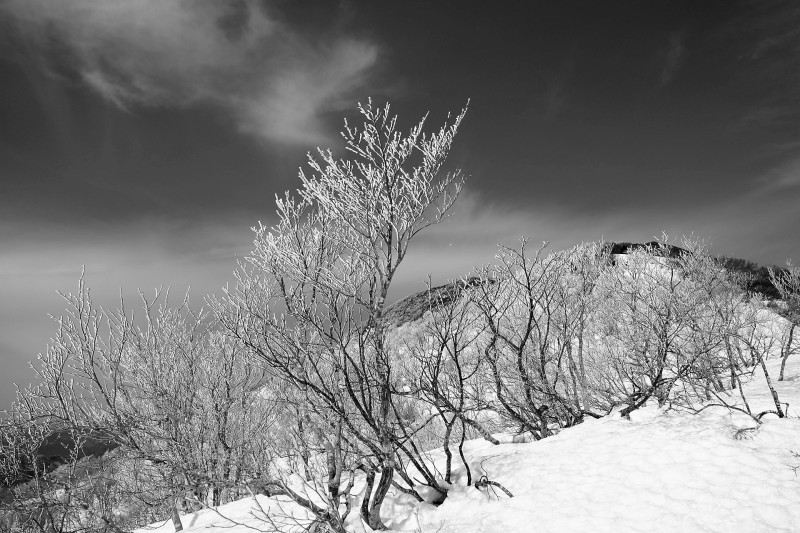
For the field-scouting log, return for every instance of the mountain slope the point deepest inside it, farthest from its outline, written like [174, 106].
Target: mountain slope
[660, 471]
[663, 471]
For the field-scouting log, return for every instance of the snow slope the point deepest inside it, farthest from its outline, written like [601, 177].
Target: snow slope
[661, 471]
[657, 472]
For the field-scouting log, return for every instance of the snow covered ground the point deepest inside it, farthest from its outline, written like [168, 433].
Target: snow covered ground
[670, 471]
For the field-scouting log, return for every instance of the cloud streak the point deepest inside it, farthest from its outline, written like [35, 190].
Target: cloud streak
[236, 54]
[781, 178]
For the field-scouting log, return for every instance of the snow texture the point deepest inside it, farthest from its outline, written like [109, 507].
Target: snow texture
[660, 471]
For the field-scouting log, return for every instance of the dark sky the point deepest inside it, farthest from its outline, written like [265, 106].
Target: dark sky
[143, 138]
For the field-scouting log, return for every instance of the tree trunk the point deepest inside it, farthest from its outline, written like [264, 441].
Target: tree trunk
[731, 361]
[786, 351]
[369, 484]
[387, 474]
[447, 452]
[771, 388]
[582, 367]
[176, 517]
[334, 452]
[461, 454]
[482, 430]
[387, 462]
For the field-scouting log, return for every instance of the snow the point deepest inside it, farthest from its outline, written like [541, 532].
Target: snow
[247, 515]
[662, 470]
[657, 472]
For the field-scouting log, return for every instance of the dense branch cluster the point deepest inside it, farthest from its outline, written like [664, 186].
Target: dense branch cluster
[297, 385]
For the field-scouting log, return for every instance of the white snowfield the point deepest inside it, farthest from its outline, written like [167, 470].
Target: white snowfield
[660, 471]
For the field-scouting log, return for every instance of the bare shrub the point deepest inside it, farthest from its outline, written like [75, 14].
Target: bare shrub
[787, 282]
[180, 400]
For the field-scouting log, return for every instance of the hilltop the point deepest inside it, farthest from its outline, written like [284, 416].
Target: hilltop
[755, 278]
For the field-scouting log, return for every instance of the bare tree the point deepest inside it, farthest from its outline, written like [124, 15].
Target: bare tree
[70, 492]
[751, 335]
[444, 371]
[181, 401]
[310, 299]
[535, 320]
[787, 281]
[663, 326]
[578, 302]
[760, 340]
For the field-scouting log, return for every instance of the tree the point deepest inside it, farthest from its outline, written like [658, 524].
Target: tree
[663, 329]
[72, 492]
[787, 282]
[181, 401]
[311, 297]
[534, 308]
[444, 371]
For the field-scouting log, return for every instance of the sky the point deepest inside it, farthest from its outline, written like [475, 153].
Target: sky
[141, 140]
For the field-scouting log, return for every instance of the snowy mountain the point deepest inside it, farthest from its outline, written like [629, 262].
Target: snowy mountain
[717, 459]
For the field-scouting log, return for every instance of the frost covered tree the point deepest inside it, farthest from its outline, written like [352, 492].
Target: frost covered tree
[310, 301]
[65, 493]
[675, 324]
[444, 372]
[654, 311]
[535, 307]
[787, 281]
[180, 401]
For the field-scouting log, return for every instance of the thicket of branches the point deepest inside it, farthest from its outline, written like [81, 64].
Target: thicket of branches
[178, 401]
[297, 385]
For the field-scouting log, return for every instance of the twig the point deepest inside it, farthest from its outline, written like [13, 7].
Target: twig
[485, 482]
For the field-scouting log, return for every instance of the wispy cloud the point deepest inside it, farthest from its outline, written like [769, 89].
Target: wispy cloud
[672, 56]
[290, 105]
[782, 177]
[236, 54]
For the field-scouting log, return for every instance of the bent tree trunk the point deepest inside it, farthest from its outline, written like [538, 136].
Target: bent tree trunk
[772, 391]
[387, 474]
[787, 349]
